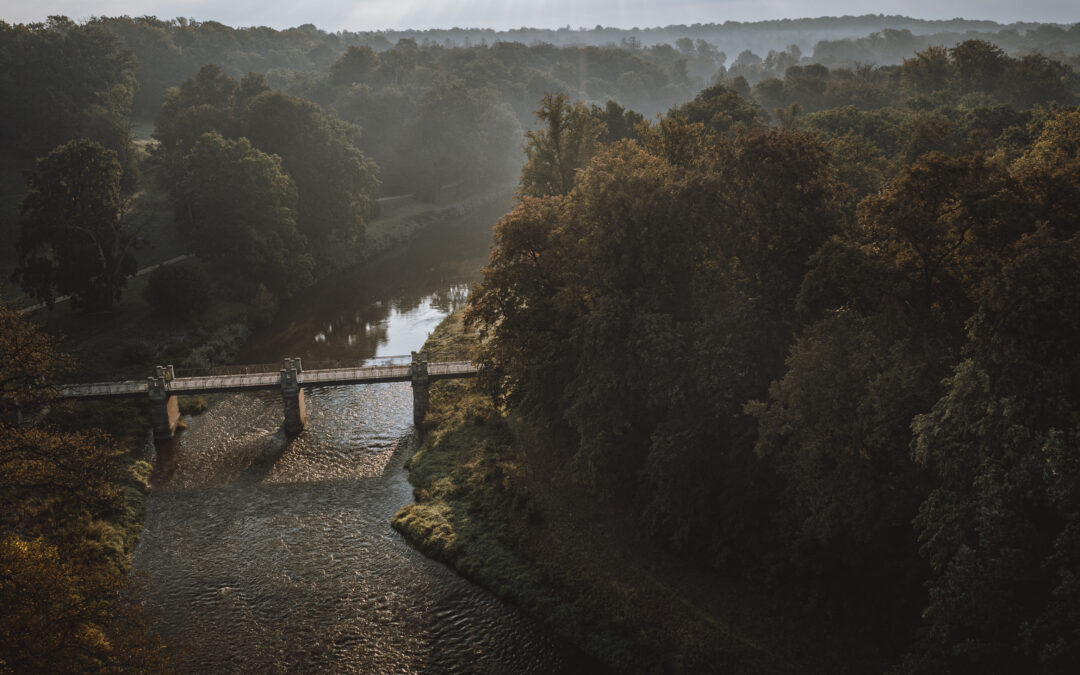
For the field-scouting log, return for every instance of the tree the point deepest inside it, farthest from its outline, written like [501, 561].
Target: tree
[928, 72]
[60, 81]
[461, 134]
[354, 65]
[619, 123]
[334, 179]
[721, 110]
[1001, 530]
[206, 102]
[73, 238]
[62, 617]
[30, 362]
[979, 65]
[238, 206]
[555, 153]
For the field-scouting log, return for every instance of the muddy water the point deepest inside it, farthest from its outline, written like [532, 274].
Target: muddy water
[269, 555]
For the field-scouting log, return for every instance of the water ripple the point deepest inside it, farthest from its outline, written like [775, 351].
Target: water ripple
[270, 555]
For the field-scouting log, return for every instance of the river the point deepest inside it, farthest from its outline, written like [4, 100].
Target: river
[268, 555]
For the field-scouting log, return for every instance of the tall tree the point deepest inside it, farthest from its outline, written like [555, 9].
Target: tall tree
[556, 152]
[238, 207]
[73, 237]
[334, 179]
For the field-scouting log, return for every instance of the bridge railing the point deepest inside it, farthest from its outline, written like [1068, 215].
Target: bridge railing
[246, 369]
[275, 366]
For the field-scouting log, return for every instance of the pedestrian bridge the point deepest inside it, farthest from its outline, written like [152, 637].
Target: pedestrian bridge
[163, 388]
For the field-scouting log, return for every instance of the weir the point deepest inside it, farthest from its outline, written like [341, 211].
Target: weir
[163, 388]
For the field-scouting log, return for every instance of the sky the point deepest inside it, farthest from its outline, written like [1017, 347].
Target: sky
[367, 15]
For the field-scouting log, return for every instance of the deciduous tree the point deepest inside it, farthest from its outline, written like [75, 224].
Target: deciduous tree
[73, 237]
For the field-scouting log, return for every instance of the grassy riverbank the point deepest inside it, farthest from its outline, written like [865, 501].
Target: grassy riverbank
[488, 505]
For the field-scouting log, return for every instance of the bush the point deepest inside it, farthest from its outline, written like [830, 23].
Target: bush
[182, 290]
[192, 405]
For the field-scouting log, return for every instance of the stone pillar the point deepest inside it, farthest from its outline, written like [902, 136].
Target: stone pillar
[292, 398]
[419, 374]
[164, 408]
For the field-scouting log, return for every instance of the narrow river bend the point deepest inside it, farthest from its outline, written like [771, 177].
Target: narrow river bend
[264, 555]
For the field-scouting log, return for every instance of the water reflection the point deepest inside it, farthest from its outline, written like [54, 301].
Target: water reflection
[388, 328]
[389, 305]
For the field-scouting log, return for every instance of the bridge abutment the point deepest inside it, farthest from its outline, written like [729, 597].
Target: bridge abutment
[164, 408]
[420, 382]
[292, 398]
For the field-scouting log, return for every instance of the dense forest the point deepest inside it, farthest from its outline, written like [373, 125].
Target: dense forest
[830, 351]
[809, 310]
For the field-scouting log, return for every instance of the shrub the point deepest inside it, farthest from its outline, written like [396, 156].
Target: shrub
[192, 405]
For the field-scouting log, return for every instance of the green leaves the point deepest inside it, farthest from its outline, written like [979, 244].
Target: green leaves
[239, 208]
[73, 241]
[555, 153]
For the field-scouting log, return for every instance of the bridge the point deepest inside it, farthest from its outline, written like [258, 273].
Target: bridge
[163, 388]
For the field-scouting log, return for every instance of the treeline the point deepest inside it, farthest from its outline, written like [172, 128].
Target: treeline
[833, 354]
[891, 46]
[973, 74]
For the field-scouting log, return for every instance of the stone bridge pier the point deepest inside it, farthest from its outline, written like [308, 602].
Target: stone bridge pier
[419, 372]
[164, 408]
[292, 397]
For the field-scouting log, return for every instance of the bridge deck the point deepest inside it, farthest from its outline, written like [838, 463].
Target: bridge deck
[440, 370]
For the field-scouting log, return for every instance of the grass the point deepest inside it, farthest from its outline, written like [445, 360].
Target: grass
[487, 504]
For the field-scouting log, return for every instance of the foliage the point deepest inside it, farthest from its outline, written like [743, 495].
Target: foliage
[181, 289]
[332, 180]
[238, 207]
[73, 237]
[63, 564]
[60, 81]
[554, 154]
[723, 333]
[58, 617]
[1000, 528]
[30, 361]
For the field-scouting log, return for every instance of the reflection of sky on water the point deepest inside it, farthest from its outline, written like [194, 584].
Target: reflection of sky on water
[387, 307]
[403, 330]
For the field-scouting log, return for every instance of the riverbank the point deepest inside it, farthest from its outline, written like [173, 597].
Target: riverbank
[489, 506]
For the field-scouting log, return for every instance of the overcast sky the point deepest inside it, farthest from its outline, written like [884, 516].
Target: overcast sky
[363, 15]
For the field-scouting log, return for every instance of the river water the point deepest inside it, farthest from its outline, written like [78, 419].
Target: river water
[268, 555]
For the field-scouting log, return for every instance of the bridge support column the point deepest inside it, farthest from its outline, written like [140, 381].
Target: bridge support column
[419, 371]
[164, 408]
[292, 397]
